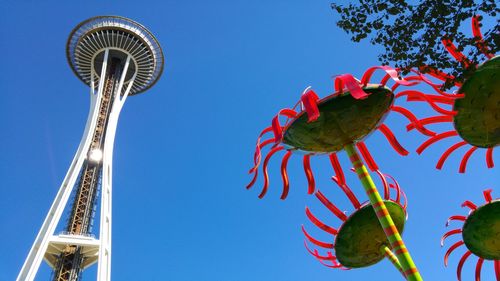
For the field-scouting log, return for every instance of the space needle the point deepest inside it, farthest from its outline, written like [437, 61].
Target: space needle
[116, 57]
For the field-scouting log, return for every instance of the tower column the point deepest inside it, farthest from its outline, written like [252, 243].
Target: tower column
[39, 248]
[104, 265]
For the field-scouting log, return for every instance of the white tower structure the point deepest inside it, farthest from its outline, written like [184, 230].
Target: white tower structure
[116, 57]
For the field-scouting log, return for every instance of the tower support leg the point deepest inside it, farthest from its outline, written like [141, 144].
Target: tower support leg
[49, 246]
[104, 264]
[39, 248]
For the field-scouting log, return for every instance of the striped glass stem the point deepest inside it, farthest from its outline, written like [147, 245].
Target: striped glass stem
[392, 258]
[397, 244]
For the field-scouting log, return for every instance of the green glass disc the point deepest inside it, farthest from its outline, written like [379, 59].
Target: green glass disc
[359, 240]
[481, 231]
[342, 120]
[478, 118]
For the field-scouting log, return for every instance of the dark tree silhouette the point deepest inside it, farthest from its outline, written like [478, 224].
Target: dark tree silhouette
[412, 31]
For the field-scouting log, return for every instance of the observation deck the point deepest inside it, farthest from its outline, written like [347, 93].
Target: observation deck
[122, 37]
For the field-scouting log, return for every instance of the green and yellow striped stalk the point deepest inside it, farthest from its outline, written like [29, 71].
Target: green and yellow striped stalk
[392, 258]
[396, 242]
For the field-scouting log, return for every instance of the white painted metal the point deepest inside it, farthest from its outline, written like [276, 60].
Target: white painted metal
[37, 252]
[95, 34]
[89, 248]
[104, 263]
[95, 250]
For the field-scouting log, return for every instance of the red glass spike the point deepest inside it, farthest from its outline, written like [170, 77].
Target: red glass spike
[315, 241]
[465, 159]
[433, 98]
[336, 211]
[264, 168]
[392, 140]
[414, 121]
[452, 49]
[349, 82]
[390, 72]
[416, 95]
[348, 192]
[258, 145]
[455, 218]
[469, 204]
[258, 156]
[476, 31]
[337, 168]
[435, 86]
[450, 250]
[398, 189]
[330, 256]
[479, 265]
[334, 264]
[386, 78]
[277, 128]
[309, 101]
[319, 223]
[431, 120]
[385, 184]
[434, 139]
[447, 153]
[414, 78]
[367, 156]
[254, 179]
[436, 73]
[461, 264]
[448, 234]
[497, 269]
[287, 112]
[316, 254]
[332, 259]
[284, 175]
[406, 200]
[489, 158]
[265, 131]
[487, 195]
[310, 177]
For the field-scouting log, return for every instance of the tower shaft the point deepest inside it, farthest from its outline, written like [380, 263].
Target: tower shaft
[76, 249]
[83, 205]
[69, 264]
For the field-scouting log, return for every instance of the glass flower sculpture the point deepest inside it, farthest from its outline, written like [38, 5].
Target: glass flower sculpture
[480, 235]
[475, 112]
[360, 240]
[341, 121]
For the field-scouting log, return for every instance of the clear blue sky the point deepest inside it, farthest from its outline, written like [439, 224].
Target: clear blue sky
[183, 148]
